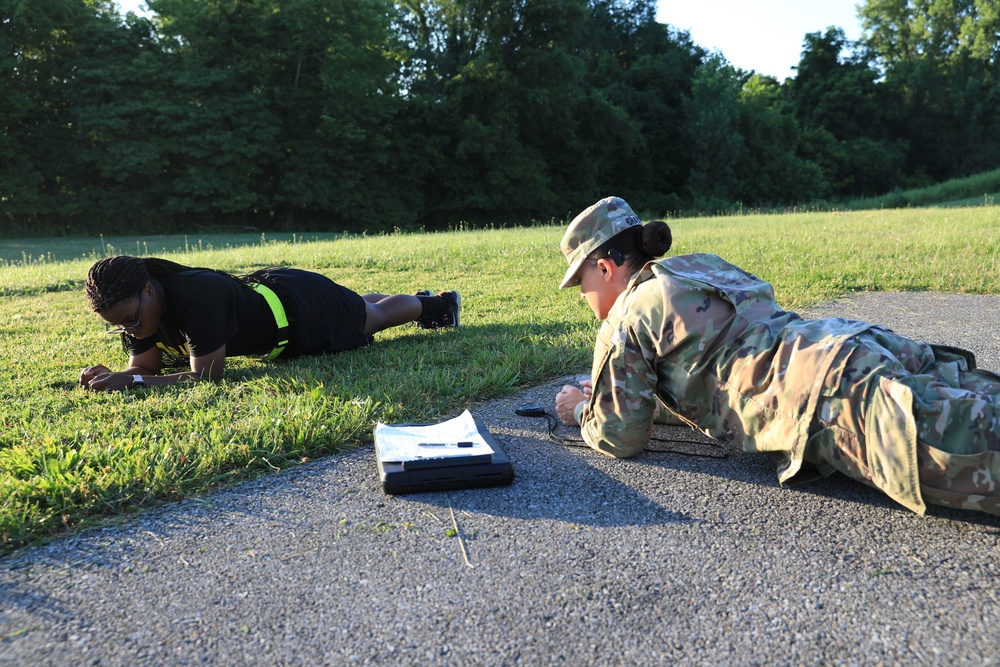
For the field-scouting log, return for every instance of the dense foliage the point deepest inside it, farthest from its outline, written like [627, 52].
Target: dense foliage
[370, 115]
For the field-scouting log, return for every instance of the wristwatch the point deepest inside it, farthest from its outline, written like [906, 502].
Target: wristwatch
[137, 382]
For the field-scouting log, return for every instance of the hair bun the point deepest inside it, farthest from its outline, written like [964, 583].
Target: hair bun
[654, 239]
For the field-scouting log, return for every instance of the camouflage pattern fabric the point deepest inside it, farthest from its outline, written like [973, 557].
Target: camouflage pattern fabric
[708, 340]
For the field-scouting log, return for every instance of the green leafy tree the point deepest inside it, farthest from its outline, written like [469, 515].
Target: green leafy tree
[644, 69]
[121, 95]
[513, 126]
[713, 134]
[942, 57]
[293, 97]
[849, 116]
[537, 108]
[770, 168]
[213, 112]
[336, 94]
[37, 136]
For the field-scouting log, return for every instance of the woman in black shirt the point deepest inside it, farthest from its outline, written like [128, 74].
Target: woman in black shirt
[171, 315]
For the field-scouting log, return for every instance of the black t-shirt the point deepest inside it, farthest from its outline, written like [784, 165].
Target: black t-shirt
[204, 310]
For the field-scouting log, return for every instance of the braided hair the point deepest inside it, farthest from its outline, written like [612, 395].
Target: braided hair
[115, 279]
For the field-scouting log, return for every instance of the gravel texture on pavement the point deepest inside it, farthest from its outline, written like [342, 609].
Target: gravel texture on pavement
[662, 559]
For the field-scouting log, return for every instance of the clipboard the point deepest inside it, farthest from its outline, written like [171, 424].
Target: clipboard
[445, 473]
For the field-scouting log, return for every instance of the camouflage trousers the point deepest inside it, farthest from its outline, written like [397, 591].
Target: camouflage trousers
[956, 411]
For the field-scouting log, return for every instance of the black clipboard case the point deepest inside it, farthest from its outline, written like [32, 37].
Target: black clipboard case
[448, 474]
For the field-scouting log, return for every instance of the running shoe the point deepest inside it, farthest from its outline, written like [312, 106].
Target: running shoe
[448, 317]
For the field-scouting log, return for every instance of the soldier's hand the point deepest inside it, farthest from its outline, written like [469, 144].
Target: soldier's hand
[566, 401]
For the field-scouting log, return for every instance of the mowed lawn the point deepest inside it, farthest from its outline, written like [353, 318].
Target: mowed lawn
[69, 457]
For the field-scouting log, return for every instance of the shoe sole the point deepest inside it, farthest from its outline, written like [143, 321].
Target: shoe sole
[458, 307]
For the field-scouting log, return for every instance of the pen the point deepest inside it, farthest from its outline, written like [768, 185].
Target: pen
[444, 444]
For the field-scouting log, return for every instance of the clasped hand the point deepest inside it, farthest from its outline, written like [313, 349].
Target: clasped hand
[569, 397]
[102, 378]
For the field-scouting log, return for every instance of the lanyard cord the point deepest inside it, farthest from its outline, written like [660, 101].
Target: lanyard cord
[713, 450]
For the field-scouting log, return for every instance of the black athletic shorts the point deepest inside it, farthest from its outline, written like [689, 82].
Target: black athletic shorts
[322, 315]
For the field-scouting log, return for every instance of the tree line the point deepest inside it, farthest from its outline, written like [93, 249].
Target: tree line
[371, 115]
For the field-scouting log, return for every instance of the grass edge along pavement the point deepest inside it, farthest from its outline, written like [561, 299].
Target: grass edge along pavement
[69, 458]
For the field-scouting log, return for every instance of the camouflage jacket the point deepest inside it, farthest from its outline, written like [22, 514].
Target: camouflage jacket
[708, 340]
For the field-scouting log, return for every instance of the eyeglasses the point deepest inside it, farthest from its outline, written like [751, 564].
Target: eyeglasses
[108, 328]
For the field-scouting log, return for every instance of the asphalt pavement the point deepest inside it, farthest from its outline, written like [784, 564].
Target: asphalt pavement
[662, 559]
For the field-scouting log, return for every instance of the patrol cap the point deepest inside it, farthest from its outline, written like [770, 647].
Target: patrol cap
[589, 231]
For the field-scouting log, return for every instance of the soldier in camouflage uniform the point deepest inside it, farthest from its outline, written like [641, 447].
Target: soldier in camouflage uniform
[707, 339]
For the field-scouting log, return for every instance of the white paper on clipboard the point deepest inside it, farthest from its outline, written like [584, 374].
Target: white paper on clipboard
[396, 444]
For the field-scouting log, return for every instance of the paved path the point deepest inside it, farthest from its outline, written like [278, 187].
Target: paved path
[663, 559]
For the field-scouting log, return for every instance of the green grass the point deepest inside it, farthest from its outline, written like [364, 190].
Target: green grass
[981, 189]
[70, 458]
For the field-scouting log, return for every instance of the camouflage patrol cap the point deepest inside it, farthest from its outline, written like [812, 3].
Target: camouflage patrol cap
[589, 230]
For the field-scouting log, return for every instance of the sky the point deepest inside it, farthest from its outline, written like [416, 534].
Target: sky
[760, 35]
